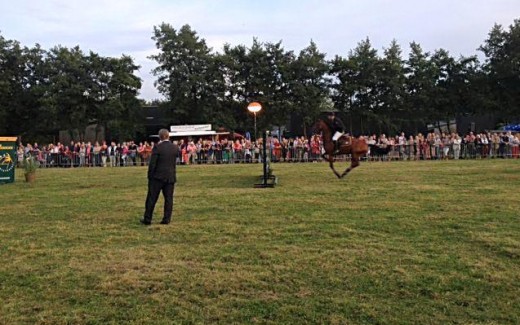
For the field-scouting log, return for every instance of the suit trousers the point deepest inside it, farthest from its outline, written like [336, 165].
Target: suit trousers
[155, 186]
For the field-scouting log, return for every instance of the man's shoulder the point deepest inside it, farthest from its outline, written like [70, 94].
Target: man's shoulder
[167, 145]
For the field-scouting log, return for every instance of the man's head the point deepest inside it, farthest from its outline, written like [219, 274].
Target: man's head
[331, 115]
[164, 134]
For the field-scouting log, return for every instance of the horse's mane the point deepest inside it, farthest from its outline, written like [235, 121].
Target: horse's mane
[326, 122]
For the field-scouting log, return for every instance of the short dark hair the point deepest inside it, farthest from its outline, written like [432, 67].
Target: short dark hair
[164, 134]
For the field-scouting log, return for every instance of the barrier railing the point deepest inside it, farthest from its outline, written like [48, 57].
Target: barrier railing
[284, 154]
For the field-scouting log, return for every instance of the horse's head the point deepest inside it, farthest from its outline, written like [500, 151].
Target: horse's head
[320, 126]
[316, 127]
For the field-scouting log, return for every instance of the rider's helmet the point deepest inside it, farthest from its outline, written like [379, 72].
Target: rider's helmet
[330, 112]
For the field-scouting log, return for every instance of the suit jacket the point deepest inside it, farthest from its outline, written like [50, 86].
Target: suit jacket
[162, 162]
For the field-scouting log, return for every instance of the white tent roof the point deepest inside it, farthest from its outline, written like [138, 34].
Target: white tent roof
[191, 133]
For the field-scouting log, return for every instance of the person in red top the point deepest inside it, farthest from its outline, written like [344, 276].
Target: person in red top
[147, 151]
[140, 150]
[237, 149]
[191, 150]
[315, 147]
[277, 149]
[184, 155]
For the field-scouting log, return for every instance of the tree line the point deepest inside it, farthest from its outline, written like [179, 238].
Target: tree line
[42, 91]
[45, 91]
[377, 92]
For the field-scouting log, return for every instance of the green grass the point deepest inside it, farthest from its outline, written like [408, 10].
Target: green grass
[392, 243]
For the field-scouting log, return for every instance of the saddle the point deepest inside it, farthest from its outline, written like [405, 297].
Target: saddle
[344, 140]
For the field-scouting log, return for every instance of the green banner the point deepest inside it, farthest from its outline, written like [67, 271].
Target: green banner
[7, 159]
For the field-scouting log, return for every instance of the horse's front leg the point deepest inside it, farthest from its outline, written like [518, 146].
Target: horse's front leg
[331, 165]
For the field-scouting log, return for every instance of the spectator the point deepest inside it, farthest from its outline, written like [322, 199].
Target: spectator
[147, 151]
[132, 153]
[96, 154]
[494, 144]
[103, 153]
[515, 146]
[401, 143]
[20, 153]
[456, 143]
[140, 150]
[237, 151]
[82, 154]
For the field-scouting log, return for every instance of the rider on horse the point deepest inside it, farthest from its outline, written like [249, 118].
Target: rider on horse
[355, 148]
[337, 127]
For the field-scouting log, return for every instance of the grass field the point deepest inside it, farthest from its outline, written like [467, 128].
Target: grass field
[392, 243]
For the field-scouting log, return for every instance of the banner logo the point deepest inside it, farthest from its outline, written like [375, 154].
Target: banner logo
[6, 163]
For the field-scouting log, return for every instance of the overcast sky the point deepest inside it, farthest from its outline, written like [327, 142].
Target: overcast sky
[113, 28]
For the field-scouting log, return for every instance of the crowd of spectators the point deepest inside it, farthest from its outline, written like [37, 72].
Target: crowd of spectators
[432, 146]
[86, 154]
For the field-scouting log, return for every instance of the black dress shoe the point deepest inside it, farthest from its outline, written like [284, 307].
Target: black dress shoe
[164, 222]
[144, 222]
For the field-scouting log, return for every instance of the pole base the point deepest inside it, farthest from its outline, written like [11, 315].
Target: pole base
[270, 181]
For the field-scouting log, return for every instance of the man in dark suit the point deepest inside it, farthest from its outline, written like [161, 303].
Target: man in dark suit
[161, 177]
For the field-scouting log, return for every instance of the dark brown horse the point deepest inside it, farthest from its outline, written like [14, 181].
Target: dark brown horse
[352, 146]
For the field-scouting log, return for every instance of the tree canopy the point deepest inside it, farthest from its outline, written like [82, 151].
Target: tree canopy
[43, 91]
[378, 92]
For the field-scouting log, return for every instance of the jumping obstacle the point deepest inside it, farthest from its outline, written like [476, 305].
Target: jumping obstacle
[267, 178]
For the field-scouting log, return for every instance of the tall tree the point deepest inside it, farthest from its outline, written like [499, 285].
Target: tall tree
[420, 85]
[468, 89]
[11, 76]
[183, 73]
[443, 100]
[502, 65]
[69, 86]
[231, 91]
[391, 89]
[279, 105]
[258, 82]
[356, 90]
[343, 88]
[309, 84]
[249, 77]
[112, 98]
[23, 89]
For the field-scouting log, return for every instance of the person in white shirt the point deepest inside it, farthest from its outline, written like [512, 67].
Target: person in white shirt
[456, 142]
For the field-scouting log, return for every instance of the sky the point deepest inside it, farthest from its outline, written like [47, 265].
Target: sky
[113, 28]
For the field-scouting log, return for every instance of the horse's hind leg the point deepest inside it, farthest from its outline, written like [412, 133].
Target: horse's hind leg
[353, 164]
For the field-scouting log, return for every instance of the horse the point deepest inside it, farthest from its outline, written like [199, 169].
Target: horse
[356, 147]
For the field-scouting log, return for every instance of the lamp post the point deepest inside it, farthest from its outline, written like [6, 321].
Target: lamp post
[254, 108]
